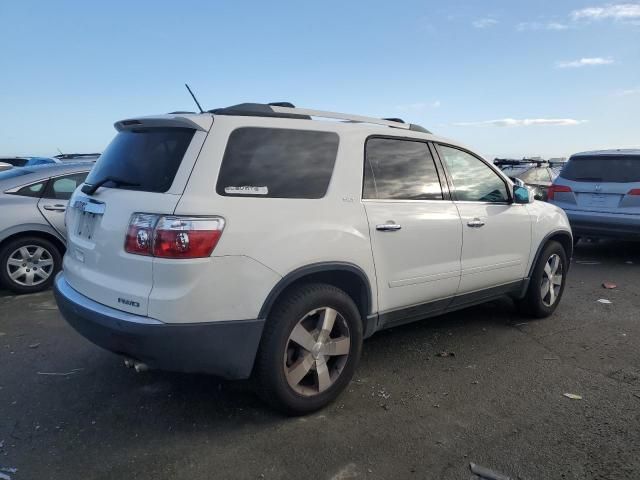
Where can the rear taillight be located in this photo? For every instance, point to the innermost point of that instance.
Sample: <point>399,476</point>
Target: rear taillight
<point>634,191</point>
<point>553,189</point>
<point>173,236</point>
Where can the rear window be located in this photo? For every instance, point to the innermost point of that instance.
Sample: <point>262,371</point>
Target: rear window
<point>277,163</point>
<point>145,159</point>
<point>603,168</point>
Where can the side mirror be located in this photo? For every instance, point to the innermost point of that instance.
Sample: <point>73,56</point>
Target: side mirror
<point>521,194</point>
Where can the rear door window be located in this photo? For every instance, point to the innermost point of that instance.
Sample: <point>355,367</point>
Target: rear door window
<point>33,190</point>
<point>145,159</point>
<point>277,163</point>
<point>61,188</point>
<point>603,168</point>
<point>397,169</point>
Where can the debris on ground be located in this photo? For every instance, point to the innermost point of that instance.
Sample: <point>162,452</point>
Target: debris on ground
<point>383,394</point>
<point>475,382</point>
<point>486,473</point>
<point>446,354</point>
<point>629,262</point>
<point>34,345</point>
<point>60,374</point>
<point>604,300</point>
<point>573,396</point>
<point>609,285</point>
<point>588,262</point>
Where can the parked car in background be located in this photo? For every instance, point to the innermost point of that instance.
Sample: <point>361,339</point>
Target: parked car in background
<point>5,166</point>
<point>28,161</point>
<point>33,201</point>
<point>259,240</point>
<point>600,192</point>
<point>77,156</point>
<point>536,174</point>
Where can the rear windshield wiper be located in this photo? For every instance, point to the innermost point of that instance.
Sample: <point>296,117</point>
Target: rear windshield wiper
<point>588,179</point>
<point>90,189</point>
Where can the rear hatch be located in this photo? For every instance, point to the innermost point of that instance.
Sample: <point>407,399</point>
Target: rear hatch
<point>599,183</point>
<point>144,170</point>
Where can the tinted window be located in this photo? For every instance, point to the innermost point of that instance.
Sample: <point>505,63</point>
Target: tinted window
<point>16,162</point>
<point>400,170</point>
<point>34,190</point>
<point>473,179</point>
<point>278,163</point>
<point>146,159</point>
<point>603,168</point>
<point>61,188</point>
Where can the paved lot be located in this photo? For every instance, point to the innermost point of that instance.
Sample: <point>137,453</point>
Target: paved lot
<point>409,414</point>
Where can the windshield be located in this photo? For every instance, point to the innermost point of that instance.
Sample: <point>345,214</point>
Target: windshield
<point>144,159</point>
<point>603,168</point>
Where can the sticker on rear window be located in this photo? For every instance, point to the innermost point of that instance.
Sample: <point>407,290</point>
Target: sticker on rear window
<point>247,190</point>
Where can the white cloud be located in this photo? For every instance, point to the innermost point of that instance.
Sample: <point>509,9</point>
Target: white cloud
<point>526,26</point>
<point>628,92</point>
<point>418,106</point>
<point>524,122</point>
<point>484,22</point>
<point>585,62</point>
<point>620,11</point>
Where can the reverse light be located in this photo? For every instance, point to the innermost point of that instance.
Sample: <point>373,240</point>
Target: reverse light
<point>173,236</point>
<point>553,189</point>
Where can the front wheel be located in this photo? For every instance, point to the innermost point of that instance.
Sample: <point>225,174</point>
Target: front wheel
<point>547,282</point>
<point>310,347</point>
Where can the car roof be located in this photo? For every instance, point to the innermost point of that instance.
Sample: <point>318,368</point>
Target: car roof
<point>615,151</point>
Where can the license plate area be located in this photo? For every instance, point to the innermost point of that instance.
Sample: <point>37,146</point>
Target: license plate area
<point>88,214</point>
<point>598,200</point>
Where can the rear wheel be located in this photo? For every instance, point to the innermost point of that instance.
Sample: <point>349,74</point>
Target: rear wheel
<point>547,282</point>
<point>309,350</point>
<point>29,264</point>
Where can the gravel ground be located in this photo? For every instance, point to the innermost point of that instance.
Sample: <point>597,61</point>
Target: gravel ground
<point>497,399</point>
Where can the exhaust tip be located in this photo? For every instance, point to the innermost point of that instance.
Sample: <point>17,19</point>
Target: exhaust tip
<point>140,367</point>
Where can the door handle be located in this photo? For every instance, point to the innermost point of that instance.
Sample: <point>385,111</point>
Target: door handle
<point>388,227</point>
<point>475,223</point>
<point>55,208</point>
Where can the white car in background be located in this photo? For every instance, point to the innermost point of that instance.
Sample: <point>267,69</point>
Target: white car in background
<point>259,240</point>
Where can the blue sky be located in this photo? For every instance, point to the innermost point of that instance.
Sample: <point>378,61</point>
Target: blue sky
<point>508,78</point>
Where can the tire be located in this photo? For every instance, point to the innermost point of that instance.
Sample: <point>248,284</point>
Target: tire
<point>534,303</point>
<point>281,360</point>
<point>41,257</point>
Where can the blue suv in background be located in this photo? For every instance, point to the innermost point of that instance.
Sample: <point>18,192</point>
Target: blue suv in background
<point>600,192</point>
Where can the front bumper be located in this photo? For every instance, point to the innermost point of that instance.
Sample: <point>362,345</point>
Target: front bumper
<point>225,348</point>
<point>585,223</point>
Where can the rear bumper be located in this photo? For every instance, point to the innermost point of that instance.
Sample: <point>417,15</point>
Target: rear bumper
<point>603,224</point>
<point>225,348</point>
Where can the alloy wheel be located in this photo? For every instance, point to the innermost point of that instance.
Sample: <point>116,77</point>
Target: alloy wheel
<point>317,351</point>
<point>552,276</point>
<point>30,265</point>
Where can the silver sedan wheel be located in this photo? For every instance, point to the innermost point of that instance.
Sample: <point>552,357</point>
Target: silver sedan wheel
<point>551,280</point>
<point>30,265</point>
<point>317,351</point>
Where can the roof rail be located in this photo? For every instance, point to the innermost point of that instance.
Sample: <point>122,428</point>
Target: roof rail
<point>287,110</point>
<point>394,123</point>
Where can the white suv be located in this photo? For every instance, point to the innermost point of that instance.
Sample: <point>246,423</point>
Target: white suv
<point>260,241</point>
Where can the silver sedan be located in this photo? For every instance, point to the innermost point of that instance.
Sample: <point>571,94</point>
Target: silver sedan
<point>33,201</point>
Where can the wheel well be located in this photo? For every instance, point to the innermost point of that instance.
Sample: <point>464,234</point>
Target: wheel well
<point>39,234</point>
<point>347,280</point>
<point>563,239</point>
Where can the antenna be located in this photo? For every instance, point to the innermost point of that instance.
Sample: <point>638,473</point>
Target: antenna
<point>60,151</point>
<point>194,98</point>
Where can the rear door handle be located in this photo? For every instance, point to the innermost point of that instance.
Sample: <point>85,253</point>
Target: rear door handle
<point>388,227</point>
<point>475,223</point>
<point>55,208</point>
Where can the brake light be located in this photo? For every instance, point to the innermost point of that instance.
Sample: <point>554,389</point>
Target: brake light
<point>634,191</point>
<point>173,236</point>
<point>553,189</point>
